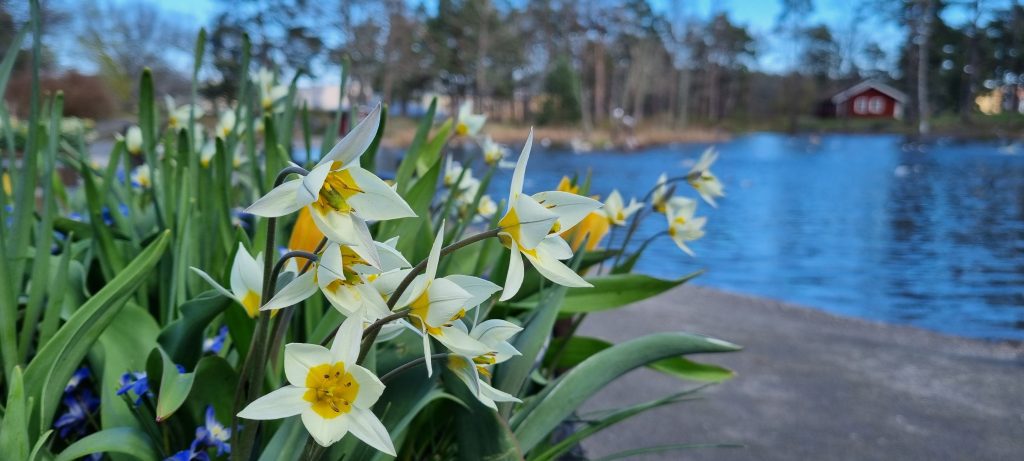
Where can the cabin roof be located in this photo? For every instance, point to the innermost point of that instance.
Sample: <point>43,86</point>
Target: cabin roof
<point>869,84</point>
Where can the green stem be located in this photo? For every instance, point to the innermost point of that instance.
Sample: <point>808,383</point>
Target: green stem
<point>410,364</point>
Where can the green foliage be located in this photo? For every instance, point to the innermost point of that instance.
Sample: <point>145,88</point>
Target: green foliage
<point>562,104</point>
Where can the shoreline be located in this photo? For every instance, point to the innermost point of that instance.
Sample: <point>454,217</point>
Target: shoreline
<point>814,385</point>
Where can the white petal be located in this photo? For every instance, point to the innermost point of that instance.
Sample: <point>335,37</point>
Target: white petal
<point>325,431</point>
<point>446,300</point>
<point>370,387</point>
<point>555,271</point>
<point>555,246</point>
<point>280,201</point>
<point>535,221</point>
<point>348,229</point>
<point>246,274</point>
<point>387,282</point>
<point>435,253</point>
<point>460,342</point>
<point>330,267</point>
<point>366,427</point>
<point>300,357</point>
<point>213,283</point>
<point>390,258</point>
<point>479,288</point>
<point>465,370</point>
<point>414,290</point>
<point>570,208</point>
<point>680,207</point>
<point>494,331</point>
<point>346,343</point>
<point>514,278</point>
<point>377,201</point>
<point>282,403</point>
<point>296,291</point>
<point>356,141</point>
<point>519,174</point>
<point>426,355</point>
<point>494,394</point>
<point>312,183</point>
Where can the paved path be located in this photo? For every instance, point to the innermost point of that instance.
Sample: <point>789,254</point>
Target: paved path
<point>812,386</point>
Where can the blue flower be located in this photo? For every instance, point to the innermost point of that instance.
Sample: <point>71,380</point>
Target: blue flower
<point>193,453</point>
<point>80,375</point>
<point>214,434</point>
<point>215,344</point>
<point>138,383</point>
<point>76,216</point>
<point>79,407</point>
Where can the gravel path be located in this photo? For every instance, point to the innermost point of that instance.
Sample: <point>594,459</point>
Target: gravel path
<point>814,386</point>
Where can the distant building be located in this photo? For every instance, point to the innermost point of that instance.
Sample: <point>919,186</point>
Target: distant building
<point>868,99</point>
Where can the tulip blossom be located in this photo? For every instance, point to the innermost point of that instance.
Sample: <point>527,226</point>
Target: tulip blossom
<point>226,123</point>
<point>133,140</point>
<point>467,123</point>
<point>661,194</point>
<point>141,177</point>
<point>437,305</point>
<point>177,116</point>
<point>617,211</point>
<point>682,226</point>
<point>340,194</point>
<point>269,92</point>
<point>493,333</point>
<point>701,178</point>
<point>494,153</point>
<point>206,154</point>
<point>530,226</point>
<point>246,280</point>
<point>333,395</point>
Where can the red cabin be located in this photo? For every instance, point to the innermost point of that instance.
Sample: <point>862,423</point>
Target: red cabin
<point>869,100</point>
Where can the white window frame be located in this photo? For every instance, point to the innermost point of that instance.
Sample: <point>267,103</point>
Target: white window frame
<point>876,105</point>
<point>860,105</point>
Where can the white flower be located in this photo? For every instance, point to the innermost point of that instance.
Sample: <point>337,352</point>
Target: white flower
<point>661,194</point>
<point>141,177</point>
<point>340,194</point>
<point>494,153</point>
<point>206,153</point>
<point>701,178</point>
<point>486,208</point>
<point>682,226</point>
<point>133,140</point>
<point>493,333</point>
<point>530,227</point>
<point>437,305</point>
<point>226,123</point>
<point>453,171</point>
<point>269,93</point>
<point>333,395</point>
<point>177,116</point>
<point>246,280</point>
<point>467,123</point>
<point>616,211</point>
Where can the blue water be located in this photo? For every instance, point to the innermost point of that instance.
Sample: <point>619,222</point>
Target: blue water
<point>857,225</point>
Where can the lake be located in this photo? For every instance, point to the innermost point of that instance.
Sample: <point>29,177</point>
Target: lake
<point>857,225</point>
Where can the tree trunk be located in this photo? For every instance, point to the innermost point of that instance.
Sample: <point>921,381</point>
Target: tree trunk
<point>600,84</point>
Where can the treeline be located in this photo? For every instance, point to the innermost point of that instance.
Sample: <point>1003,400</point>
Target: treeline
<point>589,62</point>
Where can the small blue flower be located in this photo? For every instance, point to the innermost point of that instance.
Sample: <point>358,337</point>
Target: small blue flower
<point>76,216</point>
<point>193,453</point>
<point>215,344</point>
<point>123,209</point>
<point>214,434</point>
<point>107,219</point>
<point>80,375</point>
<point>79,407</point>
<point>138,383</point>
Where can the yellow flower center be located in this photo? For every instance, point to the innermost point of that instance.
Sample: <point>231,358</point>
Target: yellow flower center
<point>205,162</point>
<point>251,303</point>
<point>461,129</point>
<point>420,308</point>
<point>331,390</point>
<point>565,185</point>
<point>337,189</point>
<point>510,225</point>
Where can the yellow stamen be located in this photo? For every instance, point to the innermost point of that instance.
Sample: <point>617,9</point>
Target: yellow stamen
<point>331,390</point>
<point>337,189</point>
<point>461,129</point>
<point>251,303</point>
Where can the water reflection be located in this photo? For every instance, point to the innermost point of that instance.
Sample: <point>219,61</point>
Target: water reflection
<point>856,225</point>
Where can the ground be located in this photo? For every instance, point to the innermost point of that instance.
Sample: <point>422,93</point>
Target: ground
<point>810,385</point>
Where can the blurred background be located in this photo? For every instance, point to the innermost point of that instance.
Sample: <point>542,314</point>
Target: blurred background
<point>870,148</point>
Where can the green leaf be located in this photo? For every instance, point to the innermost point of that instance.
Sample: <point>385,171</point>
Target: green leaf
<point>369,158</point>
<point>57,360</point>
<point>560,398</point>
<point>408,165</point>
<point>131,331</point>
<point>610,292</point>
<point>431,152</point>
<point>14,427</point>
<point>183,338</point>
<point>129,441</point>
<point>174,388</point>
<point>480,432</point>
<point>663,448</point>
<point>579,348</point>
<point>215,383</point>
<point>287,442</point>
<point>610,419</point>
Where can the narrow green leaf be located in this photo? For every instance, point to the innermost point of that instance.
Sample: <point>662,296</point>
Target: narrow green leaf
<point>14,437</point>
<point>174,388</point>
<point>129,441</point>
<point>183,338</point>
<point>579,348</point>
<point>560,398</point>
<point>57,360</point>
<point>116,353</point>
<point>408,165</point>
<point>369,158</point>
<point>610,292</point>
